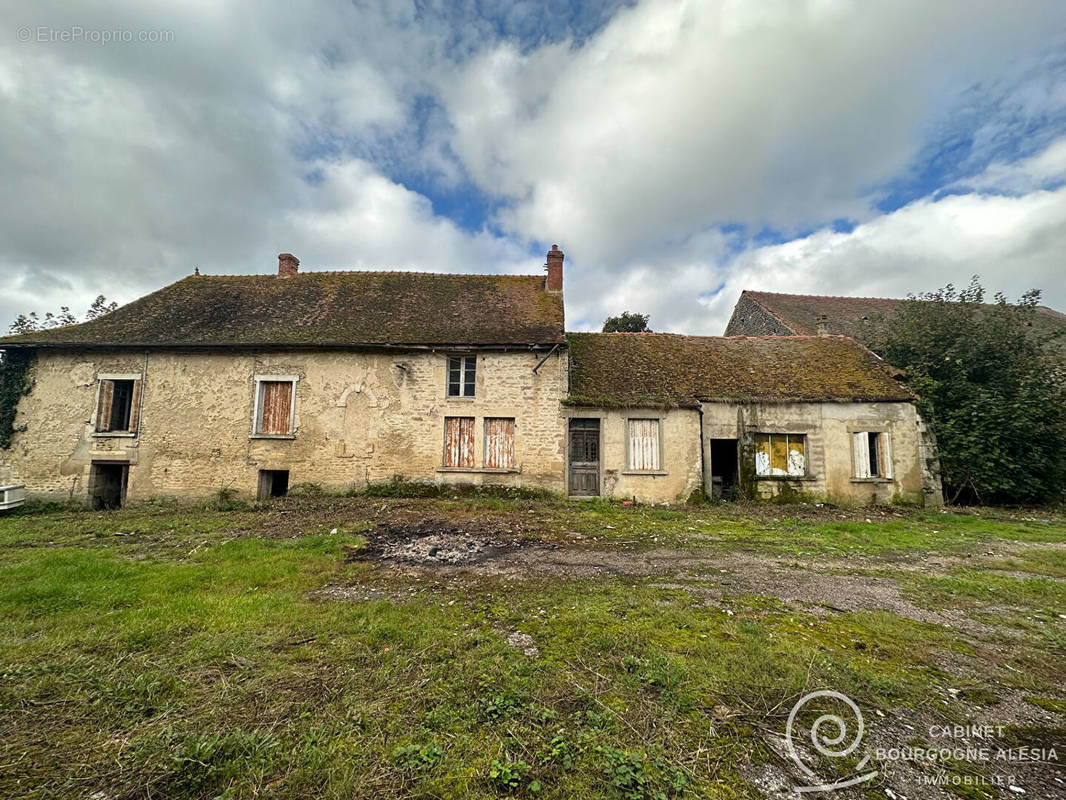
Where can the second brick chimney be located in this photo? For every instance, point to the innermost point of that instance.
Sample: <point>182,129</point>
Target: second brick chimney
<point>554,281</point>
<point>288,265</point>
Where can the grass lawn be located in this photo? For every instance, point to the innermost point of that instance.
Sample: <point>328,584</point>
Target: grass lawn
<point>597,651</point>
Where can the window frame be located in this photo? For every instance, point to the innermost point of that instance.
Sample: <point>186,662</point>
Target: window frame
<point>136,405</point>
<point>464,370</point>
<point>632,470</point>
<point>257,409</point>
<point>788,475</point>
<point>884,454</point>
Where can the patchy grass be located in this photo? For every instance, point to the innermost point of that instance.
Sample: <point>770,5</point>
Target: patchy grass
<point>188,653</point>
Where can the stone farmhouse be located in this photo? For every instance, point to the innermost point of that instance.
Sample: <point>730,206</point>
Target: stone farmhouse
<point>773,314</point>
<point>256,383</point>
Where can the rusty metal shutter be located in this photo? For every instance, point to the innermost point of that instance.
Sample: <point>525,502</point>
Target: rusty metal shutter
<point>644,444</point>
<point>276,408</point>
<point>499,443</point>
<point>459,442</point>
<point>103,406</point>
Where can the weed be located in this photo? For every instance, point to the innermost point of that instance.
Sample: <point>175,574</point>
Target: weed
<point>417,757</point>
<point>227,499</point>
<point>511,775</point>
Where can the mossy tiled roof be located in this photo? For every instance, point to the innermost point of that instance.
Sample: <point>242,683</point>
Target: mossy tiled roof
<point>853,316</point>
<point>327,309</point>
<point>650,369</point>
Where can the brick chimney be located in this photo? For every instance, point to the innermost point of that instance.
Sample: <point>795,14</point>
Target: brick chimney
<point>823,325</point>
<point>288,265</point>
<point>554,281</point>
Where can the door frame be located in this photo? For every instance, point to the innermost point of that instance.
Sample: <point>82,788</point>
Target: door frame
<point>600,418</point>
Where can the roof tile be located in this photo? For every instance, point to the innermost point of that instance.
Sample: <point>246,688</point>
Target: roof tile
<point>327,309</point>
<point>651,369</point>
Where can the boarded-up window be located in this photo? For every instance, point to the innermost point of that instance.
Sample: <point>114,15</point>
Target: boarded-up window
<point>459,442</point>
<point>118,406</point>
<point>781,454</point>
<point>870,454</point>
<point>644,444</point>
<point>499,443</point>
<point>274,408</point>
<point>462,370</point>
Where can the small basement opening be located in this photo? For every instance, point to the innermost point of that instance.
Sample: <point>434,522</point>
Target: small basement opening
<point>107,485</point>
<point>273,483</point>
<point>725,476</point>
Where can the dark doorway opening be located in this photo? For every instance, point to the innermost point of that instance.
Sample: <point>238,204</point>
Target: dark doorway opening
<point>725,476</point>
<point>107,484</point>
<point>273,483</point>
<point>584,450</point>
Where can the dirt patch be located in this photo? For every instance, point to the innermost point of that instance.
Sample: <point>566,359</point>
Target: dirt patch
<point>492,547</point>
<point>435,543</point>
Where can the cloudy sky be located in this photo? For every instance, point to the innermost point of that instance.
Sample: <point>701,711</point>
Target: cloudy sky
<point>678,152</point>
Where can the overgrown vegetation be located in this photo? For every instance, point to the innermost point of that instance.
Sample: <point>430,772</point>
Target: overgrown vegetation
<point>197,654</point>
<point>15,383</point>
<point>399,486</point>
<point>991,387</point>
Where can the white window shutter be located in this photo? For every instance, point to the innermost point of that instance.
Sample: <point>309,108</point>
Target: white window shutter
<point>644,444</point>
<point>861,451</point>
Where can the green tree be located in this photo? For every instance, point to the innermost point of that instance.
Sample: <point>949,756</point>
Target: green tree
<point>627,322</point>
<point>28,323</point>
<point>991,388</point>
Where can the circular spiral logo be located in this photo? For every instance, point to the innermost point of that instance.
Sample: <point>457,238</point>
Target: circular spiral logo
<point>832,735</point>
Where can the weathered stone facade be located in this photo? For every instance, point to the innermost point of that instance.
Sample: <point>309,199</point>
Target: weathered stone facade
<point>751,319</point>
<point>680,470</point>
<point>828,428</point>
<point>359,416</point>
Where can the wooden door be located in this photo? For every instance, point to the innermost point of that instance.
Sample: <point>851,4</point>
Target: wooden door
<point>584,449</point>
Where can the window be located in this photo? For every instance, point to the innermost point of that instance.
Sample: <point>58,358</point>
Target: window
<point>871,454</point>
<point>781,454</point>
<point>643,445</point>
<point>459,442</point>
<point>272,483</point>
<point>118,405</point>
<point>274,406</point>
<point>499,443</point>
<point>461,373</point>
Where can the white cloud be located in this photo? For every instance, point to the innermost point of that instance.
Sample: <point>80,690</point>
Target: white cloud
<point>356,218</point>
<point>126,165</point>
<point>1037,171</point>
<point>1012,243</point>
<point>683,115</point>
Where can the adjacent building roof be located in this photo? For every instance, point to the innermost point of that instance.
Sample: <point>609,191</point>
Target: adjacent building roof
<point>652,369</point>
<point>327,309</point>
<point>799,313</point>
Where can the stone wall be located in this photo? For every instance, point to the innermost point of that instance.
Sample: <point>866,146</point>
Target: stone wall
<point>828,428</point>
<point>359,417</point>
<point>679,440</point>
<point>751,319</point>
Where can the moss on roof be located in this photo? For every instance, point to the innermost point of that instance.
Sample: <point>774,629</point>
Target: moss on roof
<point>855,316</point>
<point>654,369</point>
<point>327,308</point>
